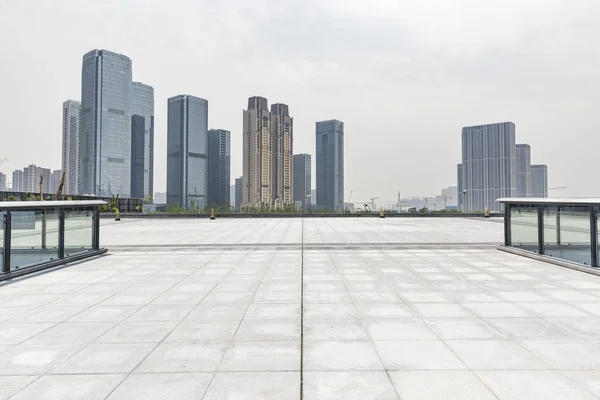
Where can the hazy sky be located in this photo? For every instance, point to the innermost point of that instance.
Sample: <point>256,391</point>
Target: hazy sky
<point>404,77</point>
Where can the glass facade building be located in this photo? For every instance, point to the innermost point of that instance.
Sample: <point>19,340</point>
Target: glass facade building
<point>238,193</point>
<point>330,165</point>
<point>539,179</point>
<point>106,124</point>
<point>187,169</point>
<point>488,165</point>
<point>523,170</point>
<point>219,167</point>
<point>282,137</point>
<point>302,178</point>
<point>142,104</point>
<point>137,156</point>
<point>71,146</point>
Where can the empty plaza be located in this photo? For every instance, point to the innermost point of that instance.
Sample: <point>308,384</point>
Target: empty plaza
<point>302,308</point>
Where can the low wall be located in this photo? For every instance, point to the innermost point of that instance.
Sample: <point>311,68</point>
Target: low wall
<point>283,215</point>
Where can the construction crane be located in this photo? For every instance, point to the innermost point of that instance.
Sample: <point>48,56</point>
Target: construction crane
<point>373,201</point>
<point>558,188</point>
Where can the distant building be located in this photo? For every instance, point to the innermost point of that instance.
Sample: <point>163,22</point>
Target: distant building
<point>239,195</point>
<point>3,186</point>
<point>313,197</point>
<point>232,196</point>
<point>257,153</point>
<point>187,170</point>
<point>137,156</point>
<point>489,165</point>
<point>282,139</point>
<point>219,167</point>
<point>18,181</point>
<point>142,105</point>
<point>330,165</point>
<point>106,124</point>
<point>160,198</point>
<point>71,143</point>
<point>539,180</point>
<point>30,181</point>
<point>523,170</point>
<point>459,187</point>
<point>55,182</point>
<point>302,178</point>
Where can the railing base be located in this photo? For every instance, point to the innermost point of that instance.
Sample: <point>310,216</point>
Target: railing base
<point>551,260</point>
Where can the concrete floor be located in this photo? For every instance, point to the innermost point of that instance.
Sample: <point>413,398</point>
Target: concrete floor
<point>333,308</point>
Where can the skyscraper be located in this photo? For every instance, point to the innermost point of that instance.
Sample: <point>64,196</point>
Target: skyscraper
<point>187,170</point>
<point>2,182</point>
<point>523,170</point>
<point>302,178</point>
<point>18,179</point>
<point>71,142</point>
<point>330,165</point>
<point>489,165</point>
<point>258,155</point>
<point>239,184</point>
<point>138,149</point>
<point>142,104</point>
<point>282,141</point>
<point>459,187</point>
<point>106,124</point>
<point>539,179</point>
<point>219,167</point>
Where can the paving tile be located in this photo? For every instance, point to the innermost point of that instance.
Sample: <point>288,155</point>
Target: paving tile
<point>184,357</point>
<point>262,356</point>
<point>161,313</point>
<point>587,379</point>
<point>70,387</point>
<point>12,384</point>
<point>495,354</point>
<point>138,332</point>
<point>203,331</point>
<point>205,312</point>
<point>254,385</point>
<point>518,385</point>
<point>442,310</point>
<point>497,310</point>
<point>464,329</point>
<point>252,330</point>
<point>524,328</point>
<point>399,329</point>
<point>417,355</point>
<point>102,313</point>
<point>333,385</point>
<point>171,386</point>
<point>554,309</point>
<point>384,311</point>
<point>273,311</point>
<point>439,385</point>
<point>49,314</point>
<point>34,359</point>
<point>340,356</point>
<point>15,332</point>
<point>72,333</point>
<point>335,329</point>
<point>566,354</point>
<point>329,311</point>
<point>106,358</point>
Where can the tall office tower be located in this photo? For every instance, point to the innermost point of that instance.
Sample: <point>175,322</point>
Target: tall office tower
<point>18,180</point>
<point>142,104</point>
<point>239,193</point>
<point>219,167</point>
<point>71,142</point>
<point>138,148</point>
<point>330,165</point>
<point>302,178</point>
<point>489,165</point>
<point>106,124</point>
<point>232,196</point>
<point>539,180</point>
<point>459,187</point>
<point>282,143</point>
<point>258,155</point>
<point>2,182</point>
<point>187,170</point>
<point>523,170</point>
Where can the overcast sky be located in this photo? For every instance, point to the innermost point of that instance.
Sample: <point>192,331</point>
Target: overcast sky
<point>404,77</point>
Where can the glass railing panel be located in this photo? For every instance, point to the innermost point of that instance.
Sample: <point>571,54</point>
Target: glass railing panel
<point>1,239</point>
<point>524,227</point>
<point>78,231</point>
<point>34,237</point>
<point>551,234</point>
<point>575,238</point>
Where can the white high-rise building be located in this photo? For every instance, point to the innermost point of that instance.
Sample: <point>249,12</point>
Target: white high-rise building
<point>539,179</point>
<point>71,145</point>
<point>282,139</point>
<point>3,186</point>
<point>106,124</point>
<point>523,170</point>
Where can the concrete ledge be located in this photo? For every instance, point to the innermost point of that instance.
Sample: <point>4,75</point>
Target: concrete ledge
<point>283,215</point>
<point>551,260</point>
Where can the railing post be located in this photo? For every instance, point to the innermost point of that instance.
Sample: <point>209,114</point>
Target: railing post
<point>558,240</point>
<point>44,228</point>
<point>96,229</point>
<point>507,236</point>
<point>61,233</point>
<point>541,244</point>
<point>6,223</point>
<point>594,233</point>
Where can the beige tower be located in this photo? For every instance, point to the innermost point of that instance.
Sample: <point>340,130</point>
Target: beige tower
<point>282,139</point>
<point>256,180</point>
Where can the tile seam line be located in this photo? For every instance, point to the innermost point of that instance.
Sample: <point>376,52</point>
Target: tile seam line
<point>302,309</point>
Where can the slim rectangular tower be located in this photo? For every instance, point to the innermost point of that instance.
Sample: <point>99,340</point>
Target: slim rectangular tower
<point>523,170</point>
<point>219,166</point>
<point>539,179</point>
<point>302,178</point>
<point>2,182</point>
<point>489,165</point>
<point>258,154</point>
<point>330,165</point>
<point>239,183</point>
<point>137,156</point>
<point>187,170</point>
<point>459,187</point>
<point>282,141</point>
<point>71,142</point>
<point>106,124</point>
<point>142,104</point>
